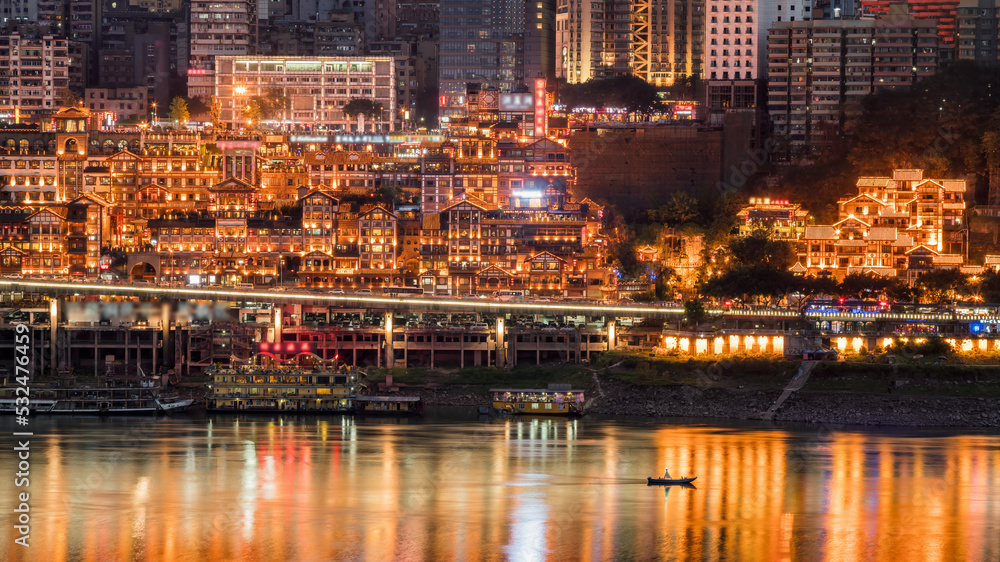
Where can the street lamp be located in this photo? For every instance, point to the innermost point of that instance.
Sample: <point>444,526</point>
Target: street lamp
<point>153,105</point>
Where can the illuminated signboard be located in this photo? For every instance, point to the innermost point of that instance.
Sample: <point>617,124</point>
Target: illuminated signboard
<point>238,145</point>
<point>517,102</point>
<point>385,139</point>
<point>683,109</point>
<point>309,138</point>
<point>541,124</point>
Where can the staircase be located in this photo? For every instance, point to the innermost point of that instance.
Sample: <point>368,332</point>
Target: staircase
<point>797,382</point>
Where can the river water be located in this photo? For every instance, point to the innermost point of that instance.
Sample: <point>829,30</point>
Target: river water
<point>448,487</point>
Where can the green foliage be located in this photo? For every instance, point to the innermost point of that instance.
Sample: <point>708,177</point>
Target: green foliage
<point>370,108</point>
<point>931,347</point>
<point>179,112</point>
<point>629,92</point>
<point>644,296</point>
<point>751,283</point>
<point>863,285</point>
<point>694,312</point>
<point>942,284</point>
<point>679,209</point>
<point>759,249</point>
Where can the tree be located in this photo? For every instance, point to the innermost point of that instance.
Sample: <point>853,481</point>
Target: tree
<point>806,288</point>
<point>68,97</point>
<point>759,249</point>
<point>631,93</point>
<point>679,209</point>
<point>253,112</point>
<point>942,284</point>
<point>362,106</point>
<point>216,113</point>
<point>664,279</point>
<point>863,285</point>
<point>694,312</point>
<point>179,113</point>
<point>758,283</point>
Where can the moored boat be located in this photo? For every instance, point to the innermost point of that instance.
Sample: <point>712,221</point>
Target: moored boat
<point>388,405</point>
<point>171,404</point>
<point>284,389</point>
<point>99,400</point>
<point>555,400</point>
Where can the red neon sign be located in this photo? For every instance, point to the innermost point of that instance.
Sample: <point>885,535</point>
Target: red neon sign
<point>541,126</point>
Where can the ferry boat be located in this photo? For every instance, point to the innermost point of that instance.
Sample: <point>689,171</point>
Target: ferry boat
<point>284,389</point>
<point>556,401</point>
<point>111,397</point>
<point>388,405</point>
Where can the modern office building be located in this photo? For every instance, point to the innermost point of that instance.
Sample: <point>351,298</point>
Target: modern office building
<point>315,89</point>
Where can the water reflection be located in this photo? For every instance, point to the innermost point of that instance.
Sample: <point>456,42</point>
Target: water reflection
<point>528,488</point>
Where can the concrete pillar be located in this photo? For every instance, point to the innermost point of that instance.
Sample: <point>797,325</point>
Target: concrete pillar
<point>277,320</point>
<point>500,346</point>
<point>611,334</point>
<point>165,325</point>
<point>55,307</point>
<point>388,341</point>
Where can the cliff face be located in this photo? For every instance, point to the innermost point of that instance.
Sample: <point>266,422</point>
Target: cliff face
<point>638,168</point>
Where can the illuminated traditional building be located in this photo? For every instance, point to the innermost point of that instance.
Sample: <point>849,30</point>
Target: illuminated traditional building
<point>895,224</point>
<point>783,220</point>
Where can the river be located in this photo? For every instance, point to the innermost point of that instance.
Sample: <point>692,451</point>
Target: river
<point>451,487</point>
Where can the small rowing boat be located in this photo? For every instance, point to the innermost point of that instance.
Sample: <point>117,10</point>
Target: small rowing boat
<point>669,481</point>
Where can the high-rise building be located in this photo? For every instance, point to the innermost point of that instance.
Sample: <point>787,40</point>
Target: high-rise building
<point>941,11</point>
<point>19,11</point>
<point>500,44</point>
<point>85,27</point>
<point>736,47</point>
<point>32,71</point>
<point>818,71</point>
<point>659,41</point>
<point>668,40</point>
<point>978,31</point>
<point>594,39</point>
<point>218,28</point>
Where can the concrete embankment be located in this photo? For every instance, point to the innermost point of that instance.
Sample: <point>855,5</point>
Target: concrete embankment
<point>839,408</point>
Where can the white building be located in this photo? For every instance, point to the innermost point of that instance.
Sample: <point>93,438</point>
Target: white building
<point>736,46</point>
<point>218,28</point>
<point>315,89</point>
<point>31,73</point>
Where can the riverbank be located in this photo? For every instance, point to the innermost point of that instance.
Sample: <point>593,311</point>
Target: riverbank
<point>834,408</point>
<point>864,393</point>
